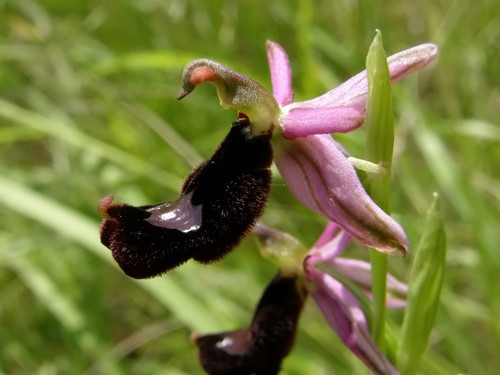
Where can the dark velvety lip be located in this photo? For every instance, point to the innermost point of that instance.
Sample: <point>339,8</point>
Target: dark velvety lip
<point>230,190</point>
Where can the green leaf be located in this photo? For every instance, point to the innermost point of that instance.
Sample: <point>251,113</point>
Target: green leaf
<point>379,121</point>
<point>379,144</point>
<point>62,131</point>
<point>426,279</point>
<point>144,60</point>
<point>57,302</point>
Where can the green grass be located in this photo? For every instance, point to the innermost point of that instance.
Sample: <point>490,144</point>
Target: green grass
<point>87,109</point>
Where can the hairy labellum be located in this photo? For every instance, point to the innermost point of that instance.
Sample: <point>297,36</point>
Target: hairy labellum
<point>260,348</point>
<point>220,202</point>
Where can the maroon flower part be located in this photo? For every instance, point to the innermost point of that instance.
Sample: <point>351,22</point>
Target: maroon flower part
<point>220,202</point>
<point>260,348</point>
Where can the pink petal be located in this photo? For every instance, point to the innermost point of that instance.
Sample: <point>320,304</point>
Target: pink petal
<point>328,234</point>
<point>330,250</point>
<point>343,313</point>
<point>301,122</point>
<point>391,302</point>
<point>361,273</point>
<point>411,60</point>
<point>395,303</point>
<point>354,91</point>
<point>281,73</point>
<point>321,177</point>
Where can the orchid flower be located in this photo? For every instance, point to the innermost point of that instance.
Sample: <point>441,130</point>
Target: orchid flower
<point>314,166</point>
<point>338,304</point>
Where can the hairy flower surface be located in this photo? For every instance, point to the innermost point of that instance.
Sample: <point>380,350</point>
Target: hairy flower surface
<point>220,202</point>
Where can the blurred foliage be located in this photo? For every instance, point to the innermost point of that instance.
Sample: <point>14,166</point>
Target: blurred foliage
<point>87,108</point>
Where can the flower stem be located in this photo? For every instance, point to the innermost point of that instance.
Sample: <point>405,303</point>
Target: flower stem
<point>379,145</point>
<point>379,271</point>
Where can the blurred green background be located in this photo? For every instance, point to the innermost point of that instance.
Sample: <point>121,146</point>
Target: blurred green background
<point>87,109</point>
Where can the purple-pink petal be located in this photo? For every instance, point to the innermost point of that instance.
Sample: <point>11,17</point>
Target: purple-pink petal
<point>361,273</point>
<point>322,178</point>
<point>281,73</point>
<point>330,231</point>
<point>395,303</point>
<point>411,60</point>
<point>301,122</point>
<point>354,91</point>
<point>329,251</point>
<point>344,314</point>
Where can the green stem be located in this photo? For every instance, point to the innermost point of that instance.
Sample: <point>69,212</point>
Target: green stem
<point>379,272</point>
